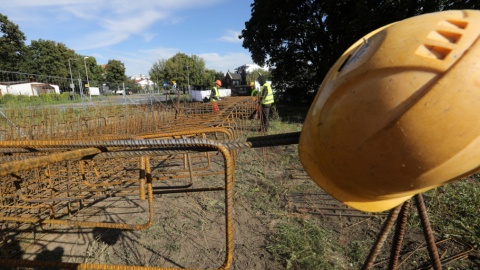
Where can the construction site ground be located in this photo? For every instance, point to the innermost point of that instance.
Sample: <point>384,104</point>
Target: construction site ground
<point>188,230</point>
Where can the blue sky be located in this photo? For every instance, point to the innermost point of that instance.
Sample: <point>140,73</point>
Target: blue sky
<point>138,32</point>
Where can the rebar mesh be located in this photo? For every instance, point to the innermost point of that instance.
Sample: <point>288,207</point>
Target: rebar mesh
<point>56,160</point>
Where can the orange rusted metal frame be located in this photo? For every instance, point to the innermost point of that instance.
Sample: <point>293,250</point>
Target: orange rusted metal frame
<point>58,123</point>
<point>228,133</point>
<point>228,189</point>
<point>16,166</point>
<point>92,125</point>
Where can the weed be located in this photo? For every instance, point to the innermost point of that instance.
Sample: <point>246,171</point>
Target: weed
<point>301,244</point>
<point>283,127</point>
<point>95,250</point>
<point>19,101</point>
<point>357,252</point>
<point>454,209</point>
<point>275,115</point>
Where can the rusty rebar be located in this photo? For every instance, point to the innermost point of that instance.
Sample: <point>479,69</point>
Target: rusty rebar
<point>427,231</point>
<point>398,237</point>
<point>22,165</point>
<point>182,144</point>
<point>381,237</point>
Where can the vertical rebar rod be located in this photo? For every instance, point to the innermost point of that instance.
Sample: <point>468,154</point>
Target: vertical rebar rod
<point>427,231</point>
<point>398,237</point>
<point>382,236</point>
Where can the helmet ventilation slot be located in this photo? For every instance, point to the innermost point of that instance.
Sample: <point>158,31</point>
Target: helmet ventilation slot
<point>435,52</point>
<point>456,24</point>
<point>444,36</point>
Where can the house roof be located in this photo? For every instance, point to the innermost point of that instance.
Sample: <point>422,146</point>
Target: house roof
<point>144,82</point>
<point>234,76</point>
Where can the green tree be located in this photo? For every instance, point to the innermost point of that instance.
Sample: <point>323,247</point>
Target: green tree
<point>94,70</point>
<point>185,70</point>
<point>114,74</point>
<point>47,57</point>
<point>301,39</point>
<point>253,75</point>
<point>158,72</point>
<point>132,86</point>
<point>12,45</point>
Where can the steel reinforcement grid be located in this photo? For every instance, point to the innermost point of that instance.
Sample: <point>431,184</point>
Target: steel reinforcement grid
<point>56,161</point>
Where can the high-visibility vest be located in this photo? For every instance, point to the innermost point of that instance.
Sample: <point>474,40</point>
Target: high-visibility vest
<point>254,92</point>
<point>215,97</point>
<point>269,98</point>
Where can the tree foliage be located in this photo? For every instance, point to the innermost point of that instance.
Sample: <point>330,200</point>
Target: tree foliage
<point>48,58</point>
<point>184,70</point>
<point>114,73</point>
<point>45,57</point>
<point>301,39</point>
<point>12,44</point>
<point>254,74</point>
<point>94,70</point>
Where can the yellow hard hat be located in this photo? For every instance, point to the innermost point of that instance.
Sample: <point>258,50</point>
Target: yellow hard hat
<point>398,112</point>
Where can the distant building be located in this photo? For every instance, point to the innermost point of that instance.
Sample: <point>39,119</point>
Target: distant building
<point>239,76</point>
<point>28,89</point>
<point>138,77</point>
<point>232,79</point>
<point>143,81</point>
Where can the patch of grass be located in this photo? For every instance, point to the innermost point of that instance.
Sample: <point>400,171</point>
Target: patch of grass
<point>283,127</point>
<point>290,113</point>
<point>357,251</point>
<point>453,209</point>
<point>19,101</point>
<point>302,244</point>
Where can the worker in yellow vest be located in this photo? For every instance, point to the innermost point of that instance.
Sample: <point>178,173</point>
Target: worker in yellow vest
<point>266,100</point>
<point>254,90</point>
<point>254,93</point>
<point>215,96</point>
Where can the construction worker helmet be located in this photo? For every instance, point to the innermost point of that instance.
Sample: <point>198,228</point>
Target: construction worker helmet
<point>397,114</point>
<point>218,82</point>
<point>261,80</point>
<point>252,84</point>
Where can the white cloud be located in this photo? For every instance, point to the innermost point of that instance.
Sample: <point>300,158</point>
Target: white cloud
<point>115,31</point>
<point>94,26</point>
<point>118,5</point>
<point>99,40</point>
<point>147,37</point>
<point>225,62</point>
<point>140,62</point>
<point>112,21</point>
<point>231,36</point>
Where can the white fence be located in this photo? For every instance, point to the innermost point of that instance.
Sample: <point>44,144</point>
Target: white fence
<point>199,95</point>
